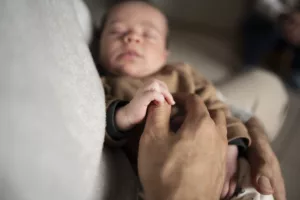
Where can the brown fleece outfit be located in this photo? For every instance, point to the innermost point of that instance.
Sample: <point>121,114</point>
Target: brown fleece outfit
<point>179,78</point>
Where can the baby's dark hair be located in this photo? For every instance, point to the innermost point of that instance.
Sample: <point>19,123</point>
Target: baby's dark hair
<point>95,44</point>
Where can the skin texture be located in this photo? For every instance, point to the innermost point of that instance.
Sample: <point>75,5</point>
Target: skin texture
<point>133,41</point>
<point>265,169</point>
<point>134,113</point>
<point>170,165</point>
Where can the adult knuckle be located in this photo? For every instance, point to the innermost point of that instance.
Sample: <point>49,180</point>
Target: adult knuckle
<point>206,120</point>
<point>194,99</point>
<point>191,98</point>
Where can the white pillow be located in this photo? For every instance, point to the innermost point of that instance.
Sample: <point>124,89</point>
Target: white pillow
<point>84,19</point>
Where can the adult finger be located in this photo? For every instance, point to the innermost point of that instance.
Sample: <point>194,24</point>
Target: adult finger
<point>192,103</point>
<point>197,112</point>
<point>266,176</point>
<point>267,181</point>
<point>158,118</point>
<point>219,118</point>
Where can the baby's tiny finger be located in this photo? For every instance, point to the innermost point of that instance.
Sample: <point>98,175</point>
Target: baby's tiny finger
<point>232,186</point>
<point>158,98</point>
<point>165,90</point>
<point>169,99</point>
<point>168,96</point>
<point>151,95</point>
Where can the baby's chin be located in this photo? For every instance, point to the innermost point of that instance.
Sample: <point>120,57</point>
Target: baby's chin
<point>132,70</point>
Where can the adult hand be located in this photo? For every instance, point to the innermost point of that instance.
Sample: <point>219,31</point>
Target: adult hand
<point>188,164</point>
<point>265,168</point>
<point>291,27</point>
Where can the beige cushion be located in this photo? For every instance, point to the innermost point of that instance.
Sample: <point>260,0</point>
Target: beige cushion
<point>222,15</point>
<point>262,93</point>
<point>97,9</point>
<point>212,56</point>
<point>84,19</point>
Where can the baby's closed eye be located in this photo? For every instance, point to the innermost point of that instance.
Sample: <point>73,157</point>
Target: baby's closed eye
<point>150,34</point>
<point>117,29</point>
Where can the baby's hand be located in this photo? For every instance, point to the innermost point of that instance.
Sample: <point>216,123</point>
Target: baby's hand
<point>231,172</point>
<point>134,113</point>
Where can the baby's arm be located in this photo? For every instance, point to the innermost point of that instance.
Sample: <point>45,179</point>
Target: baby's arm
<point>123,115</point>
<point>135,111</point>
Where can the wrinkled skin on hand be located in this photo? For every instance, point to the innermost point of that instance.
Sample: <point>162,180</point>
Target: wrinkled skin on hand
<point>188,164</point>
<point>265,169</point>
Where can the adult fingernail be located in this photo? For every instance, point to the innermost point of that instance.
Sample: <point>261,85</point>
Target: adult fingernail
<point>265,184</point>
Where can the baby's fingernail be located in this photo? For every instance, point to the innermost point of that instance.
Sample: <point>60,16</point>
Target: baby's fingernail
<point>173,102</point>
<point>265,184</point>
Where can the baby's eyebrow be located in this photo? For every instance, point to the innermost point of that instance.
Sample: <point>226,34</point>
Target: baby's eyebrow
<point>145,23</point>
<point>150,25</point>
<point>115,21</point>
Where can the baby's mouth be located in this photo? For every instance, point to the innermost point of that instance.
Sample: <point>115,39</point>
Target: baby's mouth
<point>130,54</point>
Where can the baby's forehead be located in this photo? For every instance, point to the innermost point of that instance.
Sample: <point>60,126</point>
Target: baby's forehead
<point>137,11</point>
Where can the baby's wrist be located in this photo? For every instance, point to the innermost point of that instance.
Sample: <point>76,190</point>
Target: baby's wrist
<point>122,119</point>
<point>233,150</point>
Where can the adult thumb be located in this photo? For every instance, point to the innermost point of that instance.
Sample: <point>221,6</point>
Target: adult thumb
<point>261,180</point>
<point>264,184</point>
<point>158,119</point>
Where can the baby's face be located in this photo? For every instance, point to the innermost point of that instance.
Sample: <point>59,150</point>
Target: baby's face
<point>133,41</point>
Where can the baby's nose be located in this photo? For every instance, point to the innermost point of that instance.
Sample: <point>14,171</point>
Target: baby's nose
<point>132,37</point>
